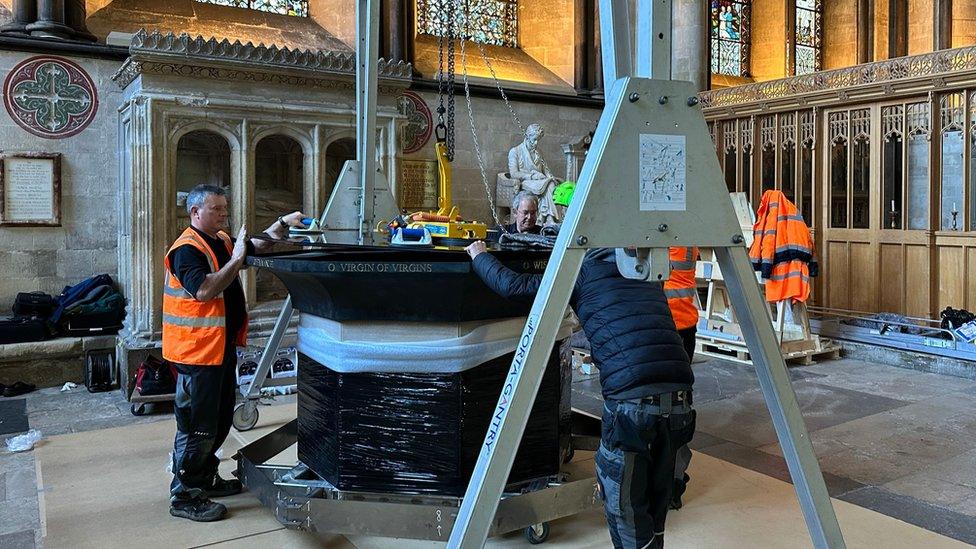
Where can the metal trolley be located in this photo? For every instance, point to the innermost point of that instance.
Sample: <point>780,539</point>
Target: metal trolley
<point>302,500</point>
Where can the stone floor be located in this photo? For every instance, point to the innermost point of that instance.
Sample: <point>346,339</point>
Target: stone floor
<point>896,441</point>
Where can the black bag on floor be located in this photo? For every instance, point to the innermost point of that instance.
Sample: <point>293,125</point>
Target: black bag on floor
<point>22,329</point>
<point>37,304</point>
<point>954,318</point>
<point>100,371</point>
<point>155,377</point>
<point>101,313</point>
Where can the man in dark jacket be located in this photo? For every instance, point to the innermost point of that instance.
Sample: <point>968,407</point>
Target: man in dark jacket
<point>646,380</point>
<point>525,208</point>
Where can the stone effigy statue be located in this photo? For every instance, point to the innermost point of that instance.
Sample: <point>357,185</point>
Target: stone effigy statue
<point>527,167</point>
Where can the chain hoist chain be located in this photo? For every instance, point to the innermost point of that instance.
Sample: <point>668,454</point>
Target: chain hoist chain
<point>451,35</point>
<point>440,78</point>
<point>491,69</point>
<point>474,137</point>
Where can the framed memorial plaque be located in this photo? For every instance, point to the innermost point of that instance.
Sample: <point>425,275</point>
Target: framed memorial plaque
<point>418,184</point>
<point>30,189</point>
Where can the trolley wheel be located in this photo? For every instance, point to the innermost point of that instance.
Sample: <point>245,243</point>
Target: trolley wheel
<point>138,409</point>
<point>570,454</point>
<point>538,533</point>
<point>245,416</point>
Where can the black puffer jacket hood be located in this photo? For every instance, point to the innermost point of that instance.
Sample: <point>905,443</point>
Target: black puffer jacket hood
<point>632,337</point>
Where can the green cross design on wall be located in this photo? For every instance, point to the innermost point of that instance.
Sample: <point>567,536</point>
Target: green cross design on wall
<point>52,97</point>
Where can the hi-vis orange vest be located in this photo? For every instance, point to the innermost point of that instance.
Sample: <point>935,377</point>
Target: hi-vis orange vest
<point>680,288</point>
<point>195,332</point>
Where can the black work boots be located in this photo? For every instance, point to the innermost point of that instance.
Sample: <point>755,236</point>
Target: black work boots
<point>222,488</point>
<point>199,510</point>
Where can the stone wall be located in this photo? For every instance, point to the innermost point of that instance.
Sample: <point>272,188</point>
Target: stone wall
<point>840,34</point>
<point>197,18</point>
<point>336,16</point>
<point>546,32</point>
<point>768,40</point>
<point>497,133</point>
<point>963,23</point>
<point>920,15</point>
<point>48,258</point>
<point>881,18</point>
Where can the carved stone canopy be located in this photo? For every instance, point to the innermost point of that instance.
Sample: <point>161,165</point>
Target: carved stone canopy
<point>155,52</point>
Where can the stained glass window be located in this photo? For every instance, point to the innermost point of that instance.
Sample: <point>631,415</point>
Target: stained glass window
<point>297,8</point>
<point>809,35</point>
<point>730,37</point>
<point>492,22</point>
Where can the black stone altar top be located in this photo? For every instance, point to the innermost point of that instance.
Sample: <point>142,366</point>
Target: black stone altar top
<point>344,282</point>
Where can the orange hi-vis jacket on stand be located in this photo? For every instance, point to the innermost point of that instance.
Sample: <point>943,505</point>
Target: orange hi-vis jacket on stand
<point>782,249</point>
<point>195,332</point>
<point>680,288</point>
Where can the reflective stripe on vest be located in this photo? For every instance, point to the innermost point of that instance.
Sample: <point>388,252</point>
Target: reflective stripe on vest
<point>681,288</point>
<point>195,332</point>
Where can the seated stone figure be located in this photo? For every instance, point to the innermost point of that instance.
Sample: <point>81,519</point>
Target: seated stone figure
<point>527,167</point>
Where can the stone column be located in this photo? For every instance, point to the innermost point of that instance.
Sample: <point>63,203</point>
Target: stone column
<point>50,21</point>
<point>897,28</point>
<point>865,31</point>
<point>582,44</point>
<point>596,57</point>
<point>689,46</point>
<point>25,13</point>
<point>391,31</point>
<point>74,16</point>
<point>942,29</point>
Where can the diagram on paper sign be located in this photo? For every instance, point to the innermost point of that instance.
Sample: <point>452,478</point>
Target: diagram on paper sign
<point>662,172</point>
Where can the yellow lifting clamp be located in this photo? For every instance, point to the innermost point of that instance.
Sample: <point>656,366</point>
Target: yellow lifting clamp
<point>446,222</point>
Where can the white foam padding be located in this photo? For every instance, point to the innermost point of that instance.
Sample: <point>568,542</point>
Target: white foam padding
<point>442,348</point>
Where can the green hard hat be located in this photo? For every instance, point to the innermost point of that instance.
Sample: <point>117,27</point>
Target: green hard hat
<point>563,193</point>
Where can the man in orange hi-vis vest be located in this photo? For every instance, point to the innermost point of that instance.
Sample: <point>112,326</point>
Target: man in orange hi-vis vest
<point>204,321</point>
<point>680,289</point>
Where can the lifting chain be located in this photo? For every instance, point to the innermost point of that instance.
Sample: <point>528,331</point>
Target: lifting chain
<point>501,91</point>
<point>445,81</point>
<point>474,136</point>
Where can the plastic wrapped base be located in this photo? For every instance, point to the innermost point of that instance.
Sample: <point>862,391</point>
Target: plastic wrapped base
<point>421,433</point>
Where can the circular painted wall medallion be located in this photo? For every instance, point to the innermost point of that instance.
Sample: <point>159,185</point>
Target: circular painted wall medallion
<point>417,130</point>
<point>50,96</point>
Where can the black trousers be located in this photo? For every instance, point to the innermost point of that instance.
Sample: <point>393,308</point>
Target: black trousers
<point>683,458</point>
<point>635,468</point>
<point>204,410</point>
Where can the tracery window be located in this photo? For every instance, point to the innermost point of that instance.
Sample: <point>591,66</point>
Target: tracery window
<point>809,35</point>
<point>492,22</point>
<point>298,8</point>
<point>730,37</point>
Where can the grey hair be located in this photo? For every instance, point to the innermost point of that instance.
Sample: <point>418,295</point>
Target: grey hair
<point>534,128</point>
<point>200,193</point>
<point>523,195</point>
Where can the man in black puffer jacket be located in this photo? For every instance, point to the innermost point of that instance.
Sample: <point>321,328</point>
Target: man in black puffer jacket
<point>646,380</point>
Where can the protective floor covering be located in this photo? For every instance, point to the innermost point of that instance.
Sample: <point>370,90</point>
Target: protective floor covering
<point>13,415</point>
<point>108,488</point>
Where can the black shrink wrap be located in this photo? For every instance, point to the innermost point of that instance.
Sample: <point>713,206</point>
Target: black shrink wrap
<point>420,433</point>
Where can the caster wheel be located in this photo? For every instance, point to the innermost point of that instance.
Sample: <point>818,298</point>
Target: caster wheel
<point>245,416</point>
<point>138,409</point>
<point>569,455</point>
<point>538,533</point>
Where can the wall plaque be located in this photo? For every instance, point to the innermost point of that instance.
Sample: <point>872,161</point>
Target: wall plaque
<point>30,189</point>
<point>49,96</point>
<point>418,184</point>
